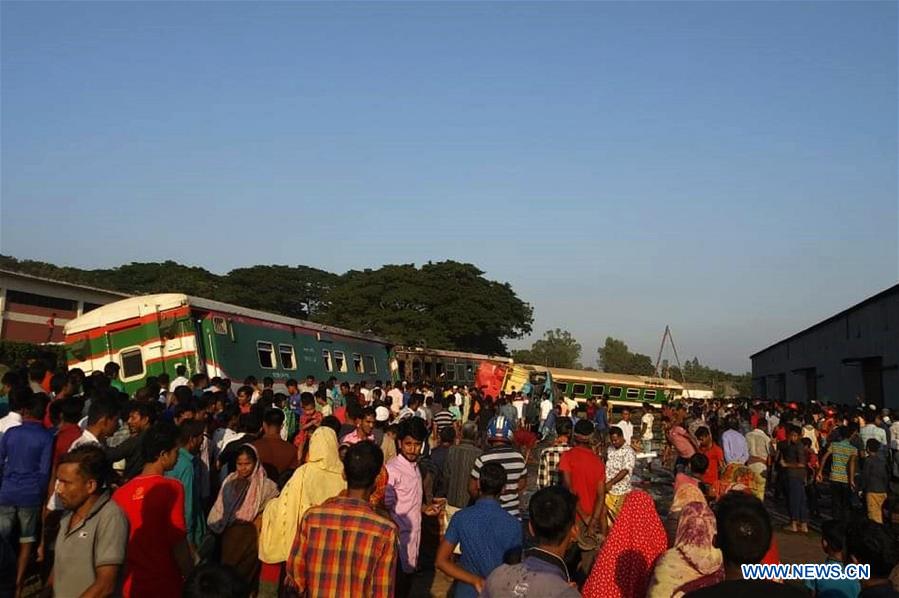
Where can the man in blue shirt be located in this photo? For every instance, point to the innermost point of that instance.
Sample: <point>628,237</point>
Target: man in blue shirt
<point>26,453</point>
<point>486,533</point>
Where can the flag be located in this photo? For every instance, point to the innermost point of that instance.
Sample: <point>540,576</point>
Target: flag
<point>548,386</point>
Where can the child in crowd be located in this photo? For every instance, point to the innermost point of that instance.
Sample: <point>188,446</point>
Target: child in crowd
<point>833,534</point>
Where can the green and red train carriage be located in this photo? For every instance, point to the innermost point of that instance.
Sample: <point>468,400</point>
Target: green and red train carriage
<point>151,334</point>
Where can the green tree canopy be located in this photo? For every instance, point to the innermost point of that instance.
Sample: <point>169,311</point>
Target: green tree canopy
<point>615,357</point>
<point>556,349</point>
<point>447,305</point>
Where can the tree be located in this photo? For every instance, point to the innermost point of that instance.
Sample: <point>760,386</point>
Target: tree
<point>640,365</point>
<point>556,349</point>
<point>447,305</point>
<point>295,291</point>
<point>614,356</point>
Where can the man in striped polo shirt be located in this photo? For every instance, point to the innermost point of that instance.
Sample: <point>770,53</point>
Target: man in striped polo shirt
<point>842,472</point>
<point>499,436</point>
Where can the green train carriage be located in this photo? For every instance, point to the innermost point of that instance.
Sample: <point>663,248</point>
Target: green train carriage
<point>152,334</point>
<point>619,389</point>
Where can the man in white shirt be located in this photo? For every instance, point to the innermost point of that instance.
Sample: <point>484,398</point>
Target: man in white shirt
<point>646,427</point>
<point>627,428</point>
<point>396,399</point>
<point>309,385</point>
<point>181,379</point>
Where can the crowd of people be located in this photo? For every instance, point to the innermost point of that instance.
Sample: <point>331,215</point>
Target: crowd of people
<point>203,487</point>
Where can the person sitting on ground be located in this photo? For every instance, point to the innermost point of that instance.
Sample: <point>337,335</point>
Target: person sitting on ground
<point>481,552</point>
<point>833,541</point>
<point>869,543</point>
<point>543,571</point>
<point>693,561</point>
<point>744,537</point>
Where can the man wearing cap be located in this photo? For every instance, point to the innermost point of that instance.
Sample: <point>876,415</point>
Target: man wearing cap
<point>499,436</point>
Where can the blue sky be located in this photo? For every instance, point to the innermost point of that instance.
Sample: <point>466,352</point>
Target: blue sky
<point>729,169</point>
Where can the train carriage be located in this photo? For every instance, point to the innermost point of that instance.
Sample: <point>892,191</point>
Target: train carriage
<point>437,366</point>
<point>619,389</point>
<point>152,334</point>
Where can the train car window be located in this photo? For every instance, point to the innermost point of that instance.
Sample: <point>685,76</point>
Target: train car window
<point>219,325</point>
<point>615,392</point>
<point>428,369</point>
<point>469,372</point>
<point>460,373</point>
<point>597,390</point>
<point>440,369</point>
<point>401,367</point>
<point>450,372</point>
<point>633,393</point>
<point>580,390</point>
<point>266,352</point>
<point>288,357</point>
<point>339,361</point>
<point>357,363</point>
<point>132,363</point>
<point>371,366</point>
<point>326,360</point>
<point>649,395</point>
<point>416,369</point>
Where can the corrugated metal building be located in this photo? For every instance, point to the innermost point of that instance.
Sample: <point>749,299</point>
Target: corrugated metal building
<point>35,309</point>
<point>852,354</point>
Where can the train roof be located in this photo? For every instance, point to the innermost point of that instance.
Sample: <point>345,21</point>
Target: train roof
<point>135,307</point>
<point>458,354</point>
<point>572,375</point>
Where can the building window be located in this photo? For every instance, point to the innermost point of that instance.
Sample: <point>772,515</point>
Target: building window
<point>615,392</point>
<point>357,363</point>
<point>370,366</point>
<point>288,357</point>
<point>649,395</point>
<point>633,393</point>
<point>339,361</point>
<point>266,352</point>
<point>132,364</point>
<point>219,325</point>
<point>580,390</point>
<point>597,390</point>
<point>34,300</point>
<point>326,360</point>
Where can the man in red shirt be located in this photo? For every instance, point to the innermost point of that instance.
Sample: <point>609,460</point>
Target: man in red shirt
<point>715,455</point>
<point>584,474</point>
<point>158,556</point>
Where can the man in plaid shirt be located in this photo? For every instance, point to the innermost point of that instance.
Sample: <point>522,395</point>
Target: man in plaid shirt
<point>548,472</point>
<point>343,548</point>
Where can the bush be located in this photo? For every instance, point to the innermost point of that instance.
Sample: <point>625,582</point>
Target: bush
<point>16,354</point>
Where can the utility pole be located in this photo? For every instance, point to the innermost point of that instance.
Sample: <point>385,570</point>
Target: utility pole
<point>669,337</point>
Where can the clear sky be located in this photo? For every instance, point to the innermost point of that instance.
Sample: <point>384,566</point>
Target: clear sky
<point>726,168</point>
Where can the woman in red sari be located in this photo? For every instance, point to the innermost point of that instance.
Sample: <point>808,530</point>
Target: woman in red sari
<point>627,557</point>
